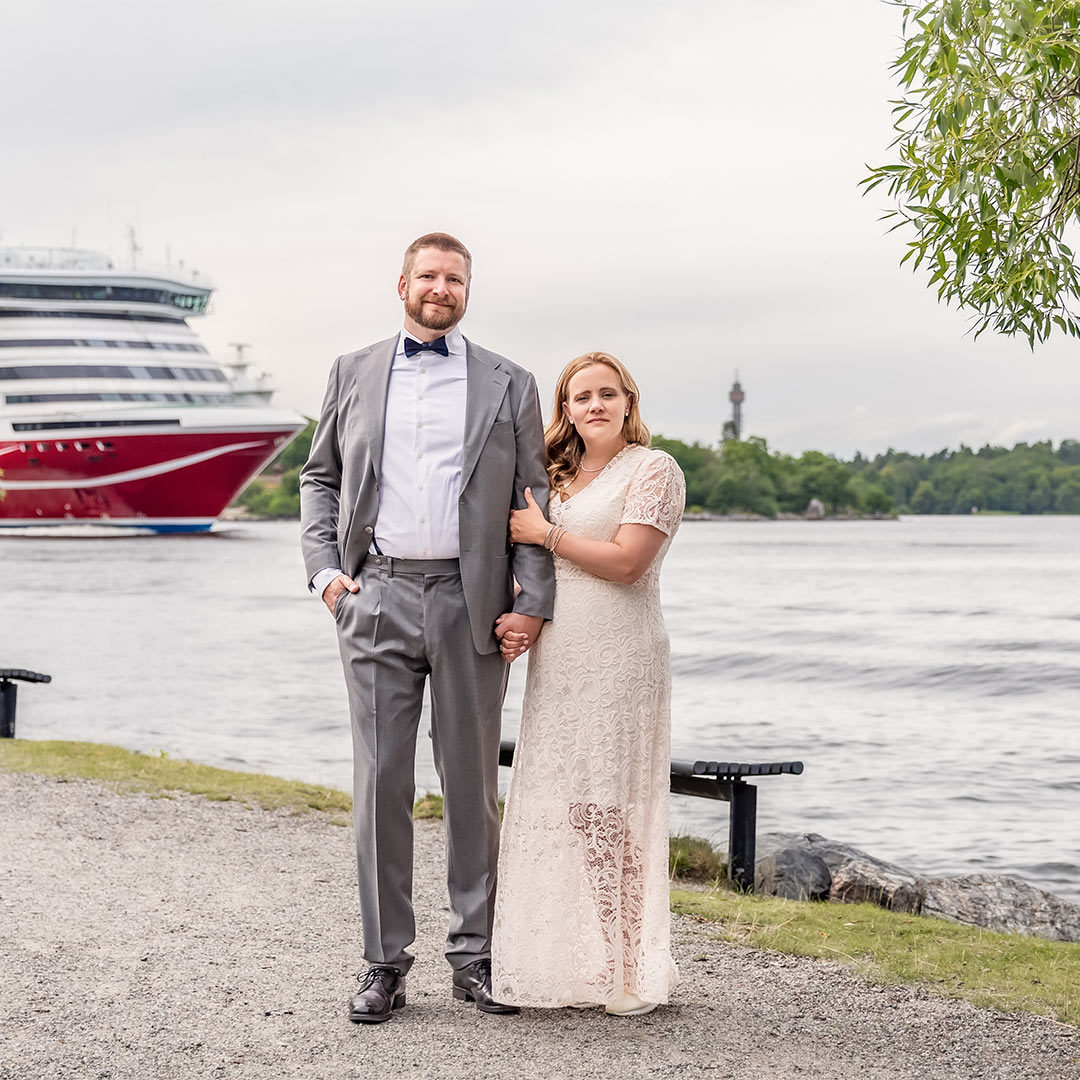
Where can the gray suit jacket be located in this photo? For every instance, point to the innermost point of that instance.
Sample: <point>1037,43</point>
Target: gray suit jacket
<point>504,454</point>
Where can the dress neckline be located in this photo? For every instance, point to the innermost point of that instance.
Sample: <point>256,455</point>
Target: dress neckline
<point>581,491</point>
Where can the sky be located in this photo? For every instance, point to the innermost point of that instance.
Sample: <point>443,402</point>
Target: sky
<point>674,183</point>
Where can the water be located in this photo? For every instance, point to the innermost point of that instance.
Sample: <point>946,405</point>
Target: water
<point>926,671</point>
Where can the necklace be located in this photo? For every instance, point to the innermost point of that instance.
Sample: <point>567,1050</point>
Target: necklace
<point>582,467</point>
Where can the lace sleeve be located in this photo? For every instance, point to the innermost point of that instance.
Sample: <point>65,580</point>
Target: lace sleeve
<point>656,495</point>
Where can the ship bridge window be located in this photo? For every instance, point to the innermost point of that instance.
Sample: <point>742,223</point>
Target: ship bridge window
<point>65,425</point>
<point>105,371</point>
<point>96,343</point>
<point>21,290</point>
<point>42,399</point>
<point>200,374</point>
<point>118,316</point>
<point>68,371</point>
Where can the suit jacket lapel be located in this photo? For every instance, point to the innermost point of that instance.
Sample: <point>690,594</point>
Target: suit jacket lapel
<point>485,389</point>
<point>373,389</point>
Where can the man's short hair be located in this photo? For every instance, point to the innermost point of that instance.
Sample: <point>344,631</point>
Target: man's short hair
<point>442,241</point>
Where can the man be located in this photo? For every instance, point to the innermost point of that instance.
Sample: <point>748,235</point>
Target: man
<point>425,443</point>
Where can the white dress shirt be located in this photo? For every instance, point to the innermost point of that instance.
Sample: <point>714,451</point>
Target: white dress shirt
<point>423,445</point>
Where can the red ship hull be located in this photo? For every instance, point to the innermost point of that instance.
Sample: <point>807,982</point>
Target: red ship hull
<point>165,482</point>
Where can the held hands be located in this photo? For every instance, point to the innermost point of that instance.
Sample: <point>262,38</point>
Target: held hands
<point>340,584</point>
<point>516,632</point>
<point>528,526</point>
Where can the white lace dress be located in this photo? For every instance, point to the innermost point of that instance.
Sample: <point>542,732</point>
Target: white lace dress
<point>581,911</point>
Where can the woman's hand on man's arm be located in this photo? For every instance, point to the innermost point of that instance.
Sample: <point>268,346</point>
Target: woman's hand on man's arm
<point>529,526</point>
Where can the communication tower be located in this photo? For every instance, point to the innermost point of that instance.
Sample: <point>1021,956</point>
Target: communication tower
<point>733,428</point>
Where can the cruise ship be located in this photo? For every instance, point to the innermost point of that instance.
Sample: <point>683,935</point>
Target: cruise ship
<point>112,412</point>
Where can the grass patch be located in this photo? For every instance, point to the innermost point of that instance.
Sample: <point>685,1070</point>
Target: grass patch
<point>429,805</point>
<point>1003,971</point>
<point>694,859</point>
<point>160,775</point>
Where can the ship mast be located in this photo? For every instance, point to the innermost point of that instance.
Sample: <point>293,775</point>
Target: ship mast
<point>133,244</point>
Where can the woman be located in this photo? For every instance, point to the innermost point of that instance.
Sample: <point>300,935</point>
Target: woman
<point>581,914</point>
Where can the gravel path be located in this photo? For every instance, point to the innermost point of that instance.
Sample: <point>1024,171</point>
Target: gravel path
<point>175,938</point>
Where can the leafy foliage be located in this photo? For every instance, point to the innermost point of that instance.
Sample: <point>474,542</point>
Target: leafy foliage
<point>1028,479</point>
<point>746,477</point>
<point>988,171</point>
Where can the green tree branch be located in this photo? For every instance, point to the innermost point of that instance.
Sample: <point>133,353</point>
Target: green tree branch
<point>986,176</point>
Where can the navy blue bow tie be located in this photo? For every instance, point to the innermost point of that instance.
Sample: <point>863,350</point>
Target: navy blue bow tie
<point>438,345</point>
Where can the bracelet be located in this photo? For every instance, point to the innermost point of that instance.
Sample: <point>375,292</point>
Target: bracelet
<point>562,533</point>
<point>547,539</point>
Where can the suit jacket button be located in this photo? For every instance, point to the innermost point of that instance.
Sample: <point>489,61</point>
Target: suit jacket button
<point>368,528</point>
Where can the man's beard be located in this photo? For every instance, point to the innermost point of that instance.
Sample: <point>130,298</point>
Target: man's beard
<point>432,317</point>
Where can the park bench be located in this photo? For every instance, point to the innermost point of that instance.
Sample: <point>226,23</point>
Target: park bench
<point>726,780</point>
<point>7,696</point>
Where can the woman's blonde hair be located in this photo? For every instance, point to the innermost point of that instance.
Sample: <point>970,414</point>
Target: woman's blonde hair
<point>565,447</point>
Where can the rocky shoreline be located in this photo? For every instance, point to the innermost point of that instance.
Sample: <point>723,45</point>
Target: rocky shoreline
<point>806,866</point>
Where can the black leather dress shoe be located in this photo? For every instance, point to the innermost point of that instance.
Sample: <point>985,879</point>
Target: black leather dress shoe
<point>382,991</point>
<point>473,983</point>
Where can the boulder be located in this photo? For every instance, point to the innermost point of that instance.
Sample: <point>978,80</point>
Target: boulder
<point>794,874</point>
<point>870,881</point>
<point>833,852</point>
<point>1002,903</point>
<point>855,876</point>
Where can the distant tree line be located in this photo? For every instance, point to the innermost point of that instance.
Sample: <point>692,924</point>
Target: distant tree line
<point>1028,479</point>
<point>747,477</point>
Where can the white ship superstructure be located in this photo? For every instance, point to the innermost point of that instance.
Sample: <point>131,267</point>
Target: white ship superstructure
<point>111,409</point>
